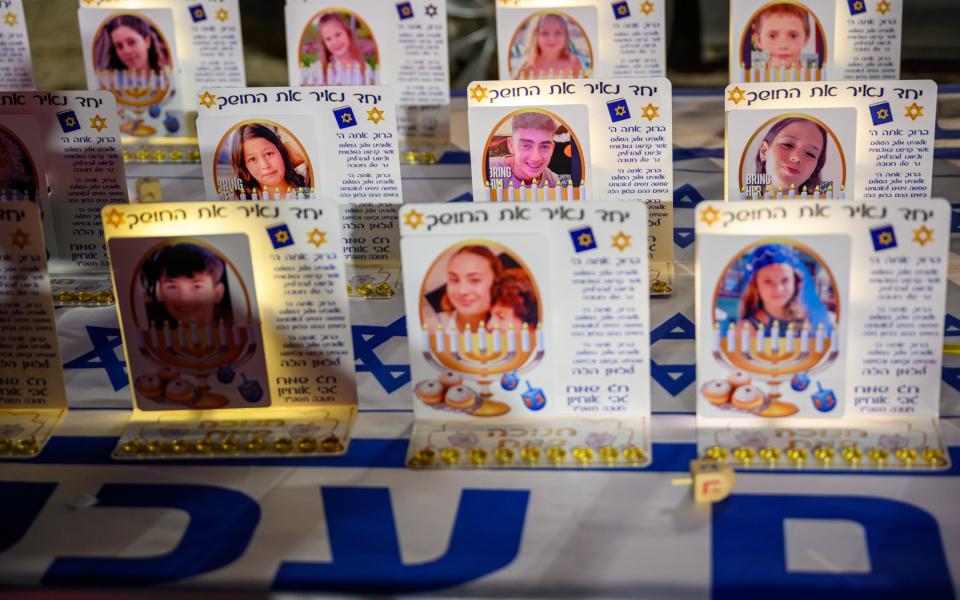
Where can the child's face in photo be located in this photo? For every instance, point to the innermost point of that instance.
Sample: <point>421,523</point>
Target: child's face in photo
<point>190,298</point>
<point>532,150</point>
<point>264,162</point>
<point>782,37</point>
<point>503,313</point>
<point>551,37</point>
<point>776,286</point>
<point>132,48</point>
<point>469,280</point>
<point>792,156</point>
<point>335,38</point>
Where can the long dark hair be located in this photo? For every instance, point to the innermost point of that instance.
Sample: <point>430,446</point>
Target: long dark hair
<point>258,130</point>
<point>814,180</point>
<point>144,30</point>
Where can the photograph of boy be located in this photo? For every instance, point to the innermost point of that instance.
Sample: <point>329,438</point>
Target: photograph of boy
<point>18,176</point>
<point>341,45</point>
<point>262,157</point>
<point>548,50</point>
<point>783,33</point>
<point>535,147</point>
<point>186,283</point>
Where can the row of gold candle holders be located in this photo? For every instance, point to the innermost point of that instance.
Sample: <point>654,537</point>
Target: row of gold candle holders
<point>529,456</point>
<point>230,445</point>
<point>852,457</point>
<point>371,290</point>
<point>161,155</point>
<point>70,297</point>
<point>26,446</point>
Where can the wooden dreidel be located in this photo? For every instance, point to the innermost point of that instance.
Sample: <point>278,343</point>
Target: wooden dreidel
<point>712,480</point>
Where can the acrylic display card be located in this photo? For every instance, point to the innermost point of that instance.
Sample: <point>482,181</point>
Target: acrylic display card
<point>335,144</point>
<point>371,42</point>
<point>831,140</point>
<point>16,65</point>
<point>820,310</point>
<point>32,396</point>
<point>231,310</point>
<point>570,39</point>
<point>172,49</point>
<point>814,40</point>
<point>68,159</point>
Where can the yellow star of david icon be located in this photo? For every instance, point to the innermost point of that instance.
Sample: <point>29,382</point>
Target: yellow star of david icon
<point>883,113</point>
<point>346,117</point>
<point>736,95</point>
<point>478,93</point>
<point>620,110</point>
<point>651,112</point>
<point>20,238</point>
<point>710,215</point>
<point>317,238</point>
<point>413,218</point>
<point>883,7</point>
<point>885,238</point>
<point>622,9</point>
<point>585,239</point>
<point>207,99</point>
<point>222,15</point>
<point>914,111</point>
<point>70,122</point>
<point>198,13</point>
<point>406,10</point>
<point>647,7</point>
<point>858,6</point>
<point>10,19</point>
<point>374,115</point>
<point>98,123</point>
<point>621,241</point>
<point>923,236</point>
<point>282,237</point>
<point>115,218</point>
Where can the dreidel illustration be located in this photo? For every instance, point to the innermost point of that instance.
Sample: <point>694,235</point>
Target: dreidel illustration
<point>824,400</point>
<point>712,480</point>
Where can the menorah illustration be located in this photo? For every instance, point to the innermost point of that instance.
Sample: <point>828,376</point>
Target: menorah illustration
<point>537,191</point>
<point>754,192</point>
<point>200,349</point>
<point>138,91</point>
<point>485,354</point>
<point>338,74</point>
<point>10,194</point>
<point>764,70</point>
<point>773,359</point>
<point>551,74</point>
<point>266,194</point>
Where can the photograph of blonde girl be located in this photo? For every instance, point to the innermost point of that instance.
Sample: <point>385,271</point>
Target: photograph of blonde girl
<point>258,158</point>
<point>478,283</point>
<point>550,44</point>
<point>338,48</point>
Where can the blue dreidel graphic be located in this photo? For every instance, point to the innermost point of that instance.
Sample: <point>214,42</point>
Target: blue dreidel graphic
<point>226,374</point>
<point>824,400</point>
<point>250,390</point>
<point>534,398</point>
<point>800,382</point>
<point>509,381</point>
<point>171,123</point>
<point>154,110</point>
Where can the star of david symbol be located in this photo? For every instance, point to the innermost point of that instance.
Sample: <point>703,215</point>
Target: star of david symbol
<point>317,238</point>
<point>622,9</point>
<point>650,112</point>
<point>882,114</point>
<point>431,10</point>
<point>620,111</point>
<point>478,93</point>
<point>98,123</point>
<point>346,117</point>
<point>223,15</point>
<point>198,12</point>
<point>374,115</point>
<point>103,356</point>
<point>115,217</point>
<point>710,215</point>
<point>858,6</point>
<point>366,340</point>
<point>621,241</point>
<point>914,111</point>
<point>413,219</point>
<point>647,7</point>
<point>10,19</point>
<point>281,236</point>
<point>923,236</point>
<point>406,10</point>
<point>207,99</point>
<point>70,122</point>
<point>20,239</point>
<point>886,238</point>
<point>883,7</point>
<point>585,239</point>
<point>736,95</point>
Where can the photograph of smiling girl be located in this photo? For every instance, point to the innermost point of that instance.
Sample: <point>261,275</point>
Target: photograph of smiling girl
<point>337,47</point>
<point>533,146</point>
<point>793,155</point>
<point>259,160</point>
<point>129,50</point>
<point>783,42</point>
<point>550,45</point>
